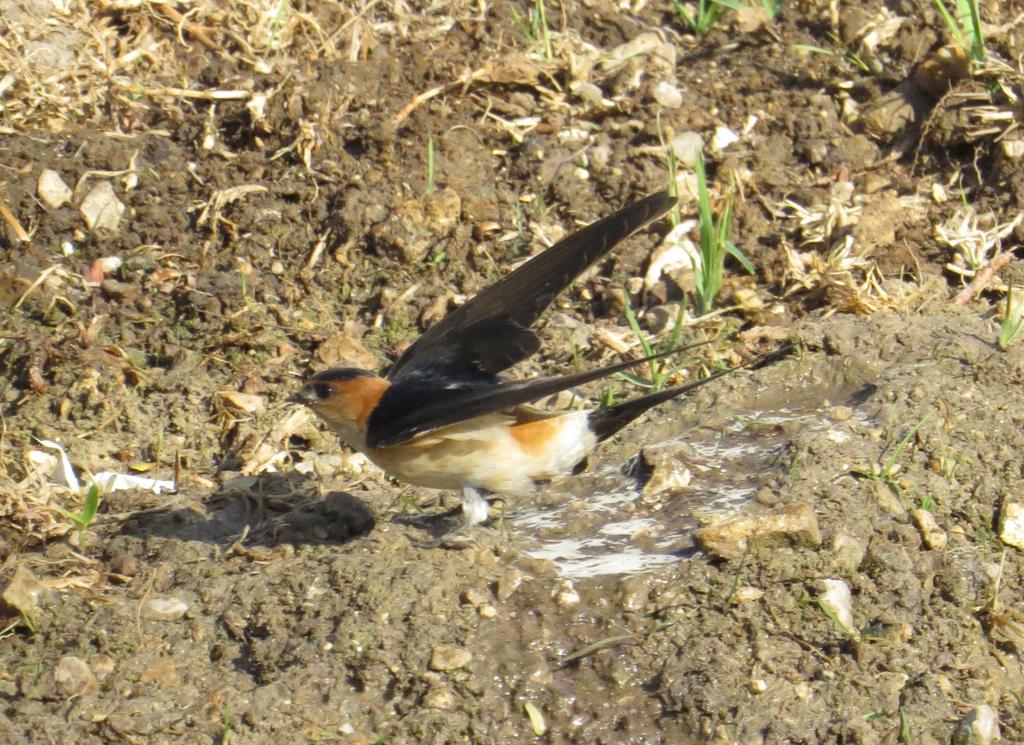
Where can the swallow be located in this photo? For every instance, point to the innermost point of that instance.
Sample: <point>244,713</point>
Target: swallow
<point>445,417</point>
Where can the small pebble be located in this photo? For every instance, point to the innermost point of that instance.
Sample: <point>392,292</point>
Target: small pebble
<point>73,677</point>
<point>1011,528</point>
<point>932,535</point>
<point>439,698</point>
<point>101,208</point>
<point>722,138</point>
<point>565,595</point>
<point>747,594</point>
<point>164,609</point>
<point>687,146</point>
<point>980,726</point>
<point>508,583</point>
<point>849,552</point>
<point>444,657</point>
<point>103,666</point>
<point>838,599</point>
<point>52,190</point>
<point>841,413</point>
<point>474,597</point>
<point>667,95</point>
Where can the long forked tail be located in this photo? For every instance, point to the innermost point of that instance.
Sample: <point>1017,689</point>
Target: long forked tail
<point>607,421</point>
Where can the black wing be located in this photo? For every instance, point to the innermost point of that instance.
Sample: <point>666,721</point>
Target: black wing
<point>406,410</point>
<point>491,332</point>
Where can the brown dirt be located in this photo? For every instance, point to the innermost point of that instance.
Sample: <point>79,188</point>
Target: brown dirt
<point>315,604</point>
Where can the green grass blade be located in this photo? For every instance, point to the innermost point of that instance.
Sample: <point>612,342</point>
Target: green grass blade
<point>92,504</point>
<point>952,25</point>
<point>812,48</point>
<point>633,324</point>
<point>978,43</point>
<point>738,254</point>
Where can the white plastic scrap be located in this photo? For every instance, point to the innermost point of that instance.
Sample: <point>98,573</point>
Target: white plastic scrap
<point>111,481</point>
<point>62,473</point>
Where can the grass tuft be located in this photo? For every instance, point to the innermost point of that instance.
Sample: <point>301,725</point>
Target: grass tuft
<point>714,244</point>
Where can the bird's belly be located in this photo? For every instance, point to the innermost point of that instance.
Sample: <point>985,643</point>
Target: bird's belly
<point>496,458</point>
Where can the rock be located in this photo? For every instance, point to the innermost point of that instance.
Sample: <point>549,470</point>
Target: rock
<point>250,403</point>
<point>747,594</point>
<point>474,597</point>
<point>722,138</point>
<point>103,666</point>
<point>668,468</point>
<point>980,726</point>
<point>932,535</point>
<point>444,657</point>
<point>565,594</point>
<point>164,609</point>
<point>676,256</point>
<point>661,317</point>
<point>73,677</point>
<point>888,501</point>
<point>842,413</point>
<point>667,95</point>
<point>508,583</point>
<point>687,147</point>
<point>849,552</point>
<point>635,592</point>
<point>101,208</point>
<point>794,525</point>
<point>1011,527</point>
<point>439,698</point>
<point>22,592</point>
<point>52,190</point>
<point>837,599</point>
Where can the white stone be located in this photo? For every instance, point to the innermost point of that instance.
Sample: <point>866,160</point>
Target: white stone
<point>73,677</point>
<point>687,147</point>
<point>838,599</point>
<point>722,138</point>
<point>52,190</point>
<point>1011,531</point>
<point>101,208</point>
<point>667,95</point>
<point>164,609</point>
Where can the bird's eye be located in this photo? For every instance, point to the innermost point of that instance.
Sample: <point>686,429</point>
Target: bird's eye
<point>322,391</point>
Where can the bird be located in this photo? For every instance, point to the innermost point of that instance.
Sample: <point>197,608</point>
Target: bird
<point>445,417</point>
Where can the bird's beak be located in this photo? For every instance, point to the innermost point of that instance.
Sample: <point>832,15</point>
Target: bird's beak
<point>304,396</point>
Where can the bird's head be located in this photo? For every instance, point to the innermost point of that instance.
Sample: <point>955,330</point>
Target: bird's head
<point>343,397</point>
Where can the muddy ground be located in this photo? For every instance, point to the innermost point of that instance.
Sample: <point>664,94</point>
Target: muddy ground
<point>312,185</point>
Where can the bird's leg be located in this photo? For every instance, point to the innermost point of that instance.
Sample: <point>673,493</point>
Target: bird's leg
<point>474,507</point>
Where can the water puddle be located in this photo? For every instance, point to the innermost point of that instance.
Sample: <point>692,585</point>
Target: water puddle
<point>610,527</point>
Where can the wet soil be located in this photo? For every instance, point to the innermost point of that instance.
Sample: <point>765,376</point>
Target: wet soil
<point>313,603</point>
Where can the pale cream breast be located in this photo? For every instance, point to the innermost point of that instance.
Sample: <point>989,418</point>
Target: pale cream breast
<point>493,453</point>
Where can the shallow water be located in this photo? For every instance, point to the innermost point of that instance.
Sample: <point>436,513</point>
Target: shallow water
<point>617,529</point>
